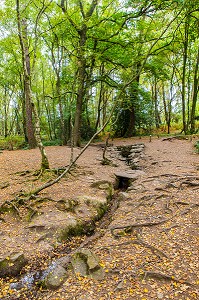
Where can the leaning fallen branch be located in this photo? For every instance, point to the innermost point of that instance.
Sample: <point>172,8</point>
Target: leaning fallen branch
<point>72,163</point>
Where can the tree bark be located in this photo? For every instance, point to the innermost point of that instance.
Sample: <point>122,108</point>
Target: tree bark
<point>195,94</point>
<point>22,32</point>
<point>81,62</point>
<point>44,160</point>
<point>131,131</point>
<point>185,51</point>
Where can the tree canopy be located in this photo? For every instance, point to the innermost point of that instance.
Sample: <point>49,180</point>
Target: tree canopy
<point>68,66</point>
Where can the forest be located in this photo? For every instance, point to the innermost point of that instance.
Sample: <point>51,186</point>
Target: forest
<point>99,100</point>
<point>71,68</point>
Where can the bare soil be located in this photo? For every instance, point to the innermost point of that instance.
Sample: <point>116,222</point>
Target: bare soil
<point>154,252</point>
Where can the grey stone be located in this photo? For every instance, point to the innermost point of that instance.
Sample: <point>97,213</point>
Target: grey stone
<point>130,176</point>
<point>85,263</point>
<point>141,145</point>
<point>79,264</point>
<point>56,277</point>
<point>12,264</point>
<point>123,196</point>
<point>136,150</point>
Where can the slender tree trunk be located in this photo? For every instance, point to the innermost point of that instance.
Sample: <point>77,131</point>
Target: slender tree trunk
<point>166,110</point>
<point>131,131</point>
<point>30,108</point>
<point>195,94</point>
<point>5,113</point>
<point>185,51</point>
<point>44,160</point>
<point>62,125</point>
<point>57,60</point>
<point>22,32</point>
<point>157,115</point>
<point>81,88</point>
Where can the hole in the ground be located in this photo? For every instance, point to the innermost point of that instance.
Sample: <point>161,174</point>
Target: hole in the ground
<point>122,182</point>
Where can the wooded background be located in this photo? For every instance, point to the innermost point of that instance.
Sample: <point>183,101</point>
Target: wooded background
<point>68,66</point>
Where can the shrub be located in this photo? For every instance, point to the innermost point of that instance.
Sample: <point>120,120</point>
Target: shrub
<point>12,143</point>
<point>197,146</point>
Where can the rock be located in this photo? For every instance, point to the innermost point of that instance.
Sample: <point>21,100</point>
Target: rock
<point>137,188</point>
<point>95,201</point>
<point>67,205</point>
<point>136,150</point>
<point>123,196</point>
<point>139,145</point>
<point>79,264</point>
<point>85,263</point>
<point>56,277</point>
<point>124,179</point>
<point>130,176</point>
<point>12,264</point>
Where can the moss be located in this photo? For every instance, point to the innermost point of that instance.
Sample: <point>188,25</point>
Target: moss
<point>75,230</point>
<point>101,210</point>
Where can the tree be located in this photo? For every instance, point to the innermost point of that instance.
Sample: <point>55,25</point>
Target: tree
<point>22,31</point>
<point>30,108</point>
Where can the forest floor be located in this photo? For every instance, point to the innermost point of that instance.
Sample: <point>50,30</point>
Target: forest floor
<point>157,257</point>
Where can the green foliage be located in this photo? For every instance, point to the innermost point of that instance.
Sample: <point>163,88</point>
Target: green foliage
<point>197,146</point>
<point>143,114</point>
<point>12,143</point>
<point>87,131</point>
<point>55,142</point>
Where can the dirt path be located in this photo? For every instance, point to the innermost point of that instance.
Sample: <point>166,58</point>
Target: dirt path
<point>157,257</point>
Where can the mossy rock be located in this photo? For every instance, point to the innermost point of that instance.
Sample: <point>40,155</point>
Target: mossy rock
<point>12,264</point>
<point>86,263</point>
<point>67,205</point>
<point>71,230</point>
<point>104,185</point>
<point>56,278</point>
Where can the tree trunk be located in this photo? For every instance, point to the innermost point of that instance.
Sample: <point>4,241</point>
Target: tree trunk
<point>166,109</point>
<point>22,32</point>
<point>81,88</point>
<point>62,125</point>
<point>195,94</point>
<point>185,50</point>
<point>131,131</point>
<point>155,98</point>
<point>82,74</point>
<point>44,160</point>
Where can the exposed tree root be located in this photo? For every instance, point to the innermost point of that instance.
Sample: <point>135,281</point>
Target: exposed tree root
<point>161,276</point>
<point>169,228</point>
<point>13,203</point>
<point>138,225</point>
<point>138,240</point>
<point>150,224</point>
